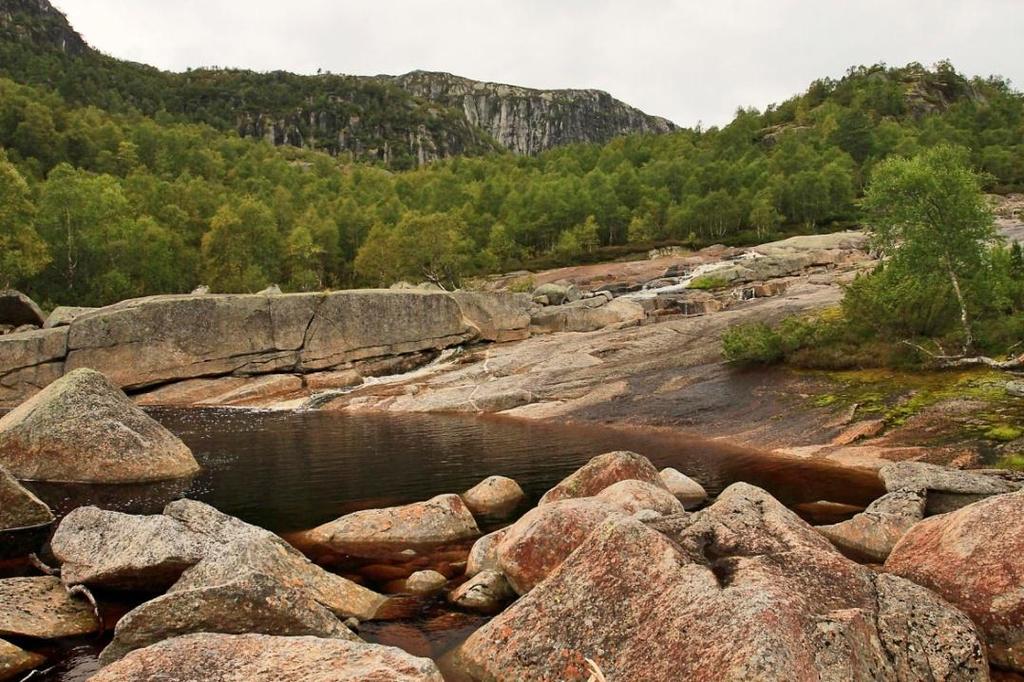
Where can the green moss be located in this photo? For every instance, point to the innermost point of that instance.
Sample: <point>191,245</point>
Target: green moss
<point>1004,433</point>
<point>1012,461</point>
<point>708,282</point>
<point>826,400</point>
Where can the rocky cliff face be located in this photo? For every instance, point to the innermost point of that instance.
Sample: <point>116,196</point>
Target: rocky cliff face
<point>38,22</point>
<point>528,121</point>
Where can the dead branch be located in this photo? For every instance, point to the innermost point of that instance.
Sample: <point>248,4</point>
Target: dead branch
<point>83,591</point>
<point>950,361</point>
<point>38,564</point>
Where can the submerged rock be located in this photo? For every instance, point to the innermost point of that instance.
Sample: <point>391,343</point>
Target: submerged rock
<point>111,549</point>
<point>688,491</point>
<point>873,533</point>
<point>741,590</point>
<point>634,496</point>
<point>252,603</point>
<point>601,472</point>
<point>265,658</point>
<point>19,508</point>
<point>82,428</point>
<point>17,309</point>
<point>14,661</point>
<point>376,533</point>
<point>41,607</point>
<point>974,558</point>
<point>947,489</point>
<point>536,544</point>
<point>485,592</point>
<point>494,496</point>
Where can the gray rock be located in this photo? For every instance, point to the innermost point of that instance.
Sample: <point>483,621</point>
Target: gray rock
<point>382,533</point>
<point>83,428</point>
<point>252,603</point>
<point>688,491</point>
<point>485,592</point>
<point>25,328</point>
<point>30,361</point>
<point>40,607</point>
<point>1015,388</point>
<point>557,293</point>
<point>201,290</point>
<point>947,489</point>
<point>874,532</point>
<point>110,549</point>
<point>498,316</point>
<point>265,658</point>
<point>272,290</point>
<point>17,309</point>
<point>238,547</point>
<point>425,583</point>
<point>494,496</point>
<point>64,315</point>
<point>19,508</point>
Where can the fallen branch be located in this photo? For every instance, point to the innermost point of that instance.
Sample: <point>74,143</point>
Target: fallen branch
<point>38,564</point>
<point>947,361</point>
<point>83,591</point>
<point>595,672</point>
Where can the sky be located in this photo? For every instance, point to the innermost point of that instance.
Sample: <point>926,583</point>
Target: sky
<point>686,60</point>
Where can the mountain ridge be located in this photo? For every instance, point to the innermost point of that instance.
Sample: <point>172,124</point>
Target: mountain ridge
<point>400,121</point>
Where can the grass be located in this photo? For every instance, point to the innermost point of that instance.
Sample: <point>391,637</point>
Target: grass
<point>1004,433</point>
<point>708,282</point>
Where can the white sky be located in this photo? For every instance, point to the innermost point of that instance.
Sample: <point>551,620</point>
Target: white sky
<point>686,60</point>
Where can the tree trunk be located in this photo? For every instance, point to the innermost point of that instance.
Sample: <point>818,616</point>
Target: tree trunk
<point>964,320</point>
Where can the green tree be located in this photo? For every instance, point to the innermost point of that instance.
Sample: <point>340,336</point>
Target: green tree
<point>430,246</point>
<point>241,252</point>
<point>23,253</point>
<point>928,215</point>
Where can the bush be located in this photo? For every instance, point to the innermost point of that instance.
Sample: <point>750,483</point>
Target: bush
<point>753,344</point>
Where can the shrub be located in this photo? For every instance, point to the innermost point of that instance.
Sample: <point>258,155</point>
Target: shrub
<point>752,344</point>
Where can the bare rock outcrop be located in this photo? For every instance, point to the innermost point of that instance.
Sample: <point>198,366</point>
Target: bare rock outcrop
<point>82,428</point>
<point>265,658</point>
<point>974,558</point>
<point>741,590</point>
<point>484,592</point>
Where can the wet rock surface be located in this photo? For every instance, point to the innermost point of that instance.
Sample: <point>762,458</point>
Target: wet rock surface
<point>375,533</point>
<point>741,590</point>
<point>41,608</point>
<point>253,603</point>
<point>83,428</point>
<point>264,658</point>
<point>974,558</point>
<point>14,661</point>
<point>873,533</point>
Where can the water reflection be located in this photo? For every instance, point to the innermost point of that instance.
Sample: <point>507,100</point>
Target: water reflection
<point>287,471</point>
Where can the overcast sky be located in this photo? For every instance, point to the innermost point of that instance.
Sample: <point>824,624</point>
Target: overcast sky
<point>687,60</point>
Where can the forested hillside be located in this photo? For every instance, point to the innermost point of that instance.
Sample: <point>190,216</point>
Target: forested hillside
<point>101,202</point>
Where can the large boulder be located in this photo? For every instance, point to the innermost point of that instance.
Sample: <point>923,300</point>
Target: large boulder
<point>252,603</point>
<point>498,316</point>
<point>17,309</point>
<point>873,533</point>
<point>741,590</point>
<point>483,554</point>
<point>586,315</point>
<point>238,547</point>
<point>382,533</point>
<point>556,293</point>
<point>974,558</point>
<point>14,661</point>
<point>40,607</point>
<point>601,472</point>
<point>82,428</point>
<point>634,496</point>
<point>494,496</point>
<point>947,489</point>
<point>265,658</point>
<point>113,550</point>
<point>536,544</point>
<point>688,491</point>
<point>19,508</point>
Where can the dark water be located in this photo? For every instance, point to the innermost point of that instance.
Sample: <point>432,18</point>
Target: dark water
<point>287,471</point>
